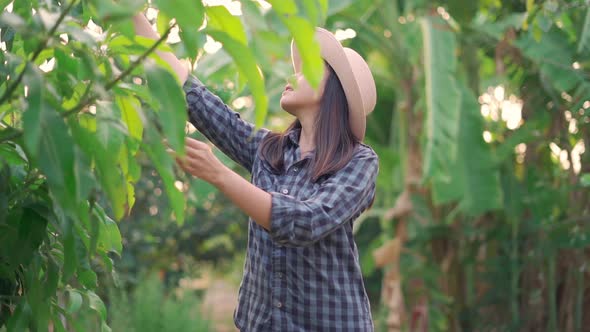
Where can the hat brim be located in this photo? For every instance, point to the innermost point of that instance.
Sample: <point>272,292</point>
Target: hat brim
<point>338,58</point>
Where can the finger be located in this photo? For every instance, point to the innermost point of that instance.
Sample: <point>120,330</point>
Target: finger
<point>195,144</point>
<point>171,152</point>
<point>182,163</point>
<point>187,167</point>
<point>194,153</point>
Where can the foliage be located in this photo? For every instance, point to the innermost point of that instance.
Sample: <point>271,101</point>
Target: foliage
<point>81,99</point>
<point>482,219</point>
<point>151,309</point>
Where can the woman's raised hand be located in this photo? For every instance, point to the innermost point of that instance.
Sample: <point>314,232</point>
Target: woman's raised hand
<point>201,162</point>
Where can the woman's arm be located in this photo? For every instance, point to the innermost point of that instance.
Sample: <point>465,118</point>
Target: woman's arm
<point>237,138</point>
<point>143,28</point>
<point>202,163</point>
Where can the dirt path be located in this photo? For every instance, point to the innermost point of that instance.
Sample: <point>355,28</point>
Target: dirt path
<point>219,304</point>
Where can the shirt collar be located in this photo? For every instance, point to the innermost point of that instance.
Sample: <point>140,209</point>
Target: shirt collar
<point>293,135</point>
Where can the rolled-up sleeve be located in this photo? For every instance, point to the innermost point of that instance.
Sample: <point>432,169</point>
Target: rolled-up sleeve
<point>224,127</point>
<point>341,198</point>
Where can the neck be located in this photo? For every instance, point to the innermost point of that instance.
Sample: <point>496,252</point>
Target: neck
<point>307,136</point>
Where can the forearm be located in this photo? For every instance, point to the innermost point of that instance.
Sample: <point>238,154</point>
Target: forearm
<point>143,28</point>
<point>252,200</point>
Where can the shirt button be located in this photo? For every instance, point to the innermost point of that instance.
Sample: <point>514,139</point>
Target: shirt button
<point>280,275</point>
<point>278,304</point>
<point>285,191</point>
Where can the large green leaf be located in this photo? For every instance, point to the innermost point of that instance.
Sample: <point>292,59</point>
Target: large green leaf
<point>303,32</point>
<point>109,236</point>
<point>187,12</point>
<point>246,62</point>
<point>170,104</point>
<point>110,135</point>
<point>335,6</point>
<point>96,304</point>
<point>32,121</point>
<point>56,159</point>
<point>221,19</point>
<point>554,55</point>
<point>442,99</point>
<point>584,43</point>
<point>474,179</point>
<point>131,114</point>
<point>164,164</point>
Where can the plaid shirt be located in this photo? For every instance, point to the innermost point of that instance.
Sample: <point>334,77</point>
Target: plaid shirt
<point>303,274</point>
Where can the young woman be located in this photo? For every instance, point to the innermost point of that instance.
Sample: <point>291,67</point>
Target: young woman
<point>309,184</point>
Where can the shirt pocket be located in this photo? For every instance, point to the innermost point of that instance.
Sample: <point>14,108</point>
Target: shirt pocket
<point>263,176</point>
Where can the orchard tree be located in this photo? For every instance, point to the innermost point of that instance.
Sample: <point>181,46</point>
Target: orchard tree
<point>81,97</point>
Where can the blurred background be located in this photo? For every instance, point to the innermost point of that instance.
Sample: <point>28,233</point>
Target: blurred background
<point>482,215</point>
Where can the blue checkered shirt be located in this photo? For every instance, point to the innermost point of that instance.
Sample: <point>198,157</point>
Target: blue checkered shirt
<point>303,274</point>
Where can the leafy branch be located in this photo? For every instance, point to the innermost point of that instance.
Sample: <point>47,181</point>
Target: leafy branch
<point>10,90</point>
<point>90,98</point>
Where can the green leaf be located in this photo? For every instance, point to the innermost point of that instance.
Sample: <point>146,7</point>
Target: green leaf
<point>165,166</point>
<point>87,278</point>
<point>315,10</point>
<point>69,245</point>
<point>193,41</point>
<point>474,178</point>
<point>442,100</point>
<point>20,318</point>
<point>246,62</point>
<point>585,180</point>
<point>130,113</point>
<point>4,3</point>
<point>96,304</point>
<point>171,105</point>
<point>110,11</point>
<point>52,275</point>
<point>552,45</point>
<point>186,12</point>
<point>109,236</point>
<point>36,106</point>
<point>75,301</point>
<point>303,33</point>
<point>284,7</point>
<point>221,19</point>
<point>56,159</point>
<point>335,6</point>
<point>10,154</point>
<point>110,136</point>
<point>584,42</point>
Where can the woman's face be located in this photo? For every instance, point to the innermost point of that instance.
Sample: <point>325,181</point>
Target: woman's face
<point>299,96</point>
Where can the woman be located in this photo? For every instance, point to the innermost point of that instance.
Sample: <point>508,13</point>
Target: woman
<point>309,184</point>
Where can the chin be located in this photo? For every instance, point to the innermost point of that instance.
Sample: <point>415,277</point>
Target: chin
<point>288,107</point>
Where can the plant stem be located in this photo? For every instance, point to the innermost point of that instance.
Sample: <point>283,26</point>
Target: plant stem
<point>10,90</point>
<point>514,275</point>
<point>578,312</point>
<point>85,101</point>
<point>552,289</point>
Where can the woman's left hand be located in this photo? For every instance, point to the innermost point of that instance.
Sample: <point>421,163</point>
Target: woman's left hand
<point>201,162</point>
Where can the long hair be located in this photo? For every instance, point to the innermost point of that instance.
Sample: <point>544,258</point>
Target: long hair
<point>333,138</point>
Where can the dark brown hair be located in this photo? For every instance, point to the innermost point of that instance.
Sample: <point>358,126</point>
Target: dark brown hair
<point>334,140</point>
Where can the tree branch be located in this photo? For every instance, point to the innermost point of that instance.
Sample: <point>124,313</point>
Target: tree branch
<point>85,101</point>
<point>10,90</point>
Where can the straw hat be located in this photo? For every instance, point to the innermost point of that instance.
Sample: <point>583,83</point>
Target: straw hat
<point>354,74</point>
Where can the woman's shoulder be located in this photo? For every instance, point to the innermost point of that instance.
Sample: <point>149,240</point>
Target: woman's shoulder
<point>363,151</point>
